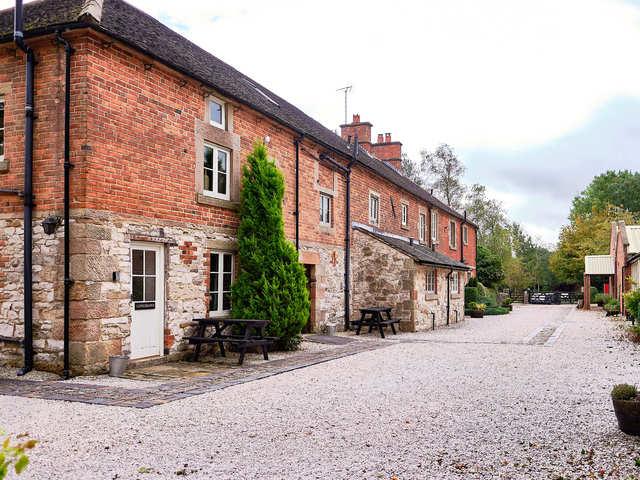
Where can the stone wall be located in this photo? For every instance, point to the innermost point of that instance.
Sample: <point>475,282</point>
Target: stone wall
<point>436,303</point>
<point>381,276</point>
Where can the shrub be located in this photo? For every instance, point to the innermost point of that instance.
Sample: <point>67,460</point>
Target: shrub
<point>602,298</point>
<point>634,333</point>
<point>632,302</point>
<point>272,284</point>
<point>496,311</point>
<point>612,305</point>
<point>624,391</point>
<point>594,292</point>
<point>14,454</point>
<point>473,282</point>
<point>506,302</point>
<point>471,295</point>
<point>477,307</point>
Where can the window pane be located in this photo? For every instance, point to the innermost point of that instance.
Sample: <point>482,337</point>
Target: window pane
<point>137,289</point>
<point>149,289</point>
<point>222,161</point>
<point>226,301</point>
<point>226,282</point>
<point>213,304</point>
<point>215,110</point>
<point>208,157</point>
<point>222,183</point>
<point>213,282</point>
<point>137,262</point>
<point>149,262</point>
<point>208,179</point>
<point>226,263</point>
<point>213,262</point>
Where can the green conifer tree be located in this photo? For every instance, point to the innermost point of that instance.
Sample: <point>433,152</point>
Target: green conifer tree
<point>272,284</point>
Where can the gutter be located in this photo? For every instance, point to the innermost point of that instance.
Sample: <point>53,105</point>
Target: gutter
<point>18,38</point>
<point>68,282</point>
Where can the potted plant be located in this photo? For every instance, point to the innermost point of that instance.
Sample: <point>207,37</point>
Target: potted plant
<point>612,307</point>
<point>508,303</point>
<point>627,408</point>
<point>477,309</point>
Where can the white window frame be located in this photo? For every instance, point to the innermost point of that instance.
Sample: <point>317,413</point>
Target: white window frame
<point>2,129</point>
<point>453,236</point>
<point>374,219</point>
<point>455,283</point>
<point>431,281</point>
<point>404,214</point>
<point>214,180</point>
<point>219,312</point>
<point>329,205</point>
<point>422,225</point>
<point>465,235</point>
<point>434,226</point>
<point>223,112</point>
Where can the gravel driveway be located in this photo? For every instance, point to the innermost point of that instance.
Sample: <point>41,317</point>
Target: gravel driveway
<point>518,396</point>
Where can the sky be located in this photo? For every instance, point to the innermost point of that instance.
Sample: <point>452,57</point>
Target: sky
<point>536,97</point>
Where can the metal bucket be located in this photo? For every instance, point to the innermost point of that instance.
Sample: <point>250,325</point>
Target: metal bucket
<point>117,365</point>
<point>331,329</point>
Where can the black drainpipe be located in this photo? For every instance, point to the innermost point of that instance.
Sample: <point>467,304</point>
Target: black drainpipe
<point>18,38</point>
<point>68,282</point>
<point>449,294</point>
<point>462,223</point>
<point>347,239</point>
<point>296,142</point>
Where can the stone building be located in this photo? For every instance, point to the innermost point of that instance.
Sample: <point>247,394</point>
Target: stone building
<point>159,129</point>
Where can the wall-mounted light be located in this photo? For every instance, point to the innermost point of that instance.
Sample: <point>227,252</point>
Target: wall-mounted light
<point>50,224</point>
<point>267,139</point>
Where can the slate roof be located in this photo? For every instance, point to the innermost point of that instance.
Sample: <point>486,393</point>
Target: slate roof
<point>419,253</point>
<point>143,32</point>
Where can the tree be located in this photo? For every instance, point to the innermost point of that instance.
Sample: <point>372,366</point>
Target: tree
<point>272,284</point>
<point>445,170</point>
<point>586,235</point>
<point>487,213</point>
<point>411,170</point>
<point>618,188</point>
<point>489,267</point>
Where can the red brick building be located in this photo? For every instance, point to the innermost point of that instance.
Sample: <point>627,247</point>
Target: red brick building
<point>158,131</point>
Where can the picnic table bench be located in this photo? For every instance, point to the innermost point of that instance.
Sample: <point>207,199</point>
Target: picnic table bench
<point>249,333</point>
<point>372,317</point>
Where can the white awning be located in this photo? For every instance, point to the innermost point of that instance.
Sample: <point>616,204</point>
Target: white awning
<point>598,265</point>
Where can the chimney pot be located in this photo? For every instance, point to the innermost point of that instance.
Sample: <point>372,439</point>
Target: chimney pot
<point>356,118</point>
<point>387,138</point>
<point>380,138</point>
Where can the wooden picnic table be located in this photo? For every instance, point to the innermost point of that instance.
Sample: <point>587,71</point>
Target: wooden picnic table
<point>372,316</point>
<point>249,333</point>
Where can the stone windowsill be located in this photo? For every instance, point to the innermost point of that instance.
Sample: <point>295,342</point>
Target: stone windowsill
<point>4,166</point>
<point>456,296</point>
<point>430,297</point>
<point>217,202</point>
<point>327,229</point>
<point>404,227</point>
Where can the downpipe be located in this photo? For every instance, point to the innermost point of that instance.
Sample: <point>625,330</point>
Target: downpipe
<point>18,38</point>
<point>347,238</point>
<point>68,282</point>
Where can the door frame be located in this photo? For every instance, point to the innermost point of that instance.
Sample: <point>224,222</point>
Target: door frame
<point>159,248</point>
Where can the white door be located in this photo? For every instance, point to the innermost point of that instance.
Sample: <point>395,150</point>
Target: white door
<point>147,300</point>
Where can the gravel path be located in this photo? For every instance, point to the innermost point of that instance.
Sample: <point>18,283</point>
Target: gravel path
<point>472,401</point>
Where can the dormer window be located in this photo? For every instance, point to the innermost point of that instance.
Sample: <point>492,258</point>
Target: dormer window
<point>217,113</point>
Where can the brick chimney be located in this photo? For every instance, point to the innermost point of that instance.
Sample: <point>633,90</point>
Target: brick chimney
<point>388,151</point>
<point>348,132</point>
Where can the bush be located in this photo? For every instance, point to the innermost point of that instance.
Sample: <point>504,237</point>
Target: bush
<point>506,302</point>
<point>612,305</point>
<point>601,298</point>
<point>477,307</point>
<point>14,454</point>
<point>496,311</point>
<point>594,292</point>
<point>272,284</point>
<point>634,333</point>
<point>473,282</point>
<point>624,391</point>
<point>471,295</point>
<point>632,302</point>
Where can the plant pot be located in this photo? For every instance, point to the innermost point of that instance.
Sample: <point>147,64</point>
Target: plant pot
<point>510,307</point>
<point>628,415</point>
<point>331,329</point>
<point>117,365</point>
<point>612,313</point>
<point>600,303</point>
<point>477,314</point>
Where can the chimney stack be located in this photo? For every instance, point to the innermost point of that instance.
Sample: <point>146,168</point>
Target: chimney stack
<point>359,128</point>
<point>388,151</point>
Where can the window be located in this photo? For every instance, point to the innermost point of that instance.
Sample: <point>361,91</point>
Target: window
<point>217,114</point>
<point>465,235</point>
<point>434,226</point>
<point>422,224</point>
<point>220,275</point>
<point>455,282</point>
<point>216,171</point>
<point>1,128</point>
<point>143,275</point>
<point>452,234</point>
<point>325,209</point>
<point>405,214</point>
<point>374,208</point>
<point>431,280</point>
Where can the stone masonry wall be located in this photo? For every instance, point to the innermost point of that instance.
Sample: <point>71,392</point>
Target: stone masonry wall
<point>382,276</point>
<point>428,303</point>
